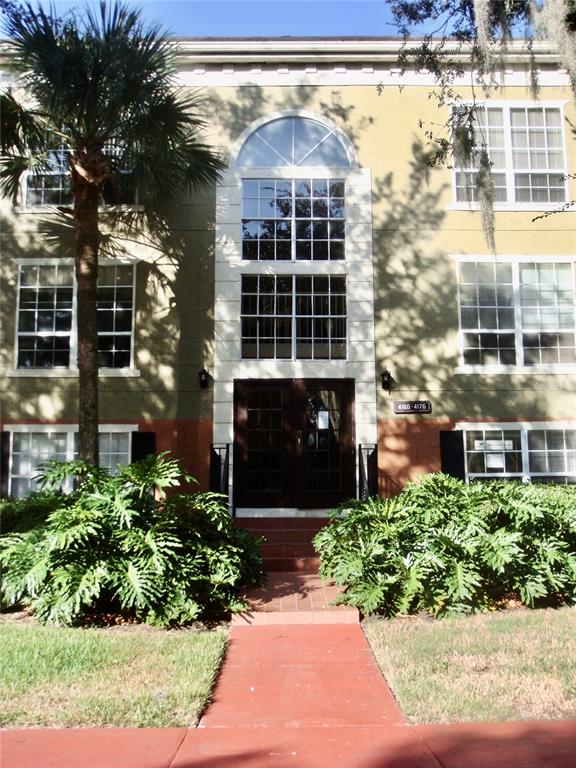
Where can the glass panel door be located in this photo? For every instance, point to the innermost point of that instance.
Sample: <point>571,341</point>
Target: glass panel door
<point>321,441</point>
<point>294,443</point>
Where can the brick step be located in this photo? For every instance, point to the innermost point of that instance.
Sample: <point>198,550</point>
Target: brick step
<point>287,542</point>
<point>291,564</point>
<point>287,549</point>
<point>283,523</point>
<point>286,537</point>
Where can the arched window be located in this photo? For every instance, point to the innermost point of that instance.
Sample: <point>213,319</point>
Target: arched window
<point>293,141</point>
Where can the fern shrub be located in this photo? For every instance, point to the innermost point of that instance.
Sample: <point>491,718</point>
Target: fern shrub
<point>446,547</point>
<point>119,544</point>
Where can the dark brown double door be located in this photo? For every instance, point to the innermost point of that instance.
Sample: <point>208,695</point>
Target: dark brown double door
<point>294,443</point>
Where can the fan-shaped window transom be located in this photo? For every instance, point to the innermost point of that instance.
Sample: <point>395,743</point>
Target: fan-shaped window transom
<point>293,141</point>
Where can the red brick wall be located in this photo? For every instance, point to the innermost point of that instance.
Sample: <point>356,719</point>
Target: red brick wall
<point>188,440</point>
<point>407,448</point>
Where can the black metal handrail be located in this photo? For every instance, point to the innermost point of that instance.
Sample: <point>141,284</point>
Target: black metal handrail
<point>220,468</point>
<point>367,471</point>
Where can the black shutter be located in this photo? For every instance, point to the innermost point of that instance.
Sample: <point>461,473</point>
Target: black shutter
<point>143,444</point>
<point>4,463</point>
<point>452,453</point>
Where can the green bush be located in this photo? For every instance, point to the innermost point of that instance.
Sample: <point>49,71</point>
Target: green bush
<point>447,547</point>
<point>118,544</point>
<point>23,514</point>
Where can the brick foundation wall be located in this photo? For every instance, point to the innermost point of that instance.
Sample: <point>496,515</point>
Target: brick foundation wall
<point>408,448</point>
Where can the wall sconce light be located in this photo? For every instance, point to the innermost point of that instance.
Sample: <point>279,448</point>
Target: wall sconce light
<point>203,376</point>
<point>387,380</point>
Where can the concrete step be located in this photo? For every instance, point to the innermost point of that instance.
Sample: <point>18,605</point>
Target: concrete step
<point>344,615</point>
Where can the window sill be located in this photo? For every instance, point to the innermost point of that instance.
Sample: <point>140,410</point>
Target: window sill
<point>514,207</point>
<point>71,373</point>
<point>515,370</point>
<point>44,209</point>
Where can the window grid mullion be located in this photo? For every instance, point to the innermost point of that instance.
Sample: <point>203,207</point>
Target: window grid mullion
<point>509,156</point>
<point>293,322</point>
<point>293,223</point>
<point>525,453</point>
<point>70,456</point>
<point>517,297</point>
<point>73,362</point>
<point>17,332</point>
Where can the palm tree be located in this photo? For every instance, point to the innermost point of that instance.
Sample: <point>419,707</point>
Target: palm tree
<point>100,85</point>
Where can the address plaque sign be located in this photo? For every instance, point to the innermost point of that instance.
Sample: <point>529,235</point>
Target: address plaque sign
<point>412,406</point>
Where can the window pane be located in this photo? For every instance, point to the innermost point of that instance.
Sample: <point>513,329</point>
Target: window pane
<point>300,317</point>
<point>45,314</point>
<point>536,148</point>
<point>29,451</point>
<point>115,315</point>
<point>493,452</point>
<point>551,452</point>
<point>547,303</point>
<point>275,209</point>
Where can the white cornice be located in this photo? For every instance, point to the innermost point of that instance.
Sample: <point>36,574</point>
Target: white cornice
<point>313,50</point>
<point>337,49</point>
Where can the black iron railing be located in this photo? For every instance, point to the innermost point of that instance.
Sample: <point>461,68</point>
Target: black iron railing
<point>220,468</point>
<point>367,471</point>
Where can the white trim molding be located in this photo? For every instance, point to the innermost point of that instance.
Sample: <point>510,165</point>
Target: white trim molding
<point>518,328</point>
<point>268,118</point>
<point>499,451</point>
<point>21,480</point>
<point>357,267</point>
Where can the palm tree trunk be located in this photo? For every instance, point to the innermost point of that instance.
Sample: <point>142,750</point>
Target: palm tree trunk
<point>86,199</point>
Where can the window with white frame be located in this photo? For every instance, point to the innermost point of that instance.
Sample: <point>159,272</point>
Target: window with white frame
<point>293,219</point>
<point>31,448</point>
<point>293,317</point>
<point>539,452</point>
<point>51,185</point>
<point>517,313</point>
<point>115,315</point>
<point>45,315</point>
<point>525,146</point>
<point>46,334</point>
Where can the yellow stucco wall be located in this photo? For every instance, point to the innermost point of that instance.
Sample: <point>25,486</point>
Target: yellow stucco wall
<point>414,233</point>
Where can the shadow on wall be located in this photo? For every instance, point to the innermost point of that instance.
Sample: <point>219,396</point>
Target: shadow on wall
<point>173,328</point>
<point>417,330</point>
<point>28,397</point>
<point>252,102</point>
<point>174,318</point>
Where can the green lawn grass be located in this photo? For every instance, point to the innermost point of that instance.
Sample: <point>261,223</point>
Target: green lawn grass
<point>513,665</point>
<point>92,677</point>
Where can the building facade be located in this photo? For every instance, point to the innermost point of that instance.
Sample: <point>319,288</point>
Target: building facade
<point>329,321</point>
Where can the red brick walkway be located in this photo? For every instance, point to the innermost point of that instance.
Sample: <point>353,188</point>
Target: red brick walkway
<point>295,695</point>
<point>295,598</point>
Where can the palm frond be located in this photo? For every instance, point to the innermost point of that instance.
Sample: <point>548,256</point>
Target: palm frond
<point>106,79</point>
<point>12,167</point>
<point>21,128</point>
